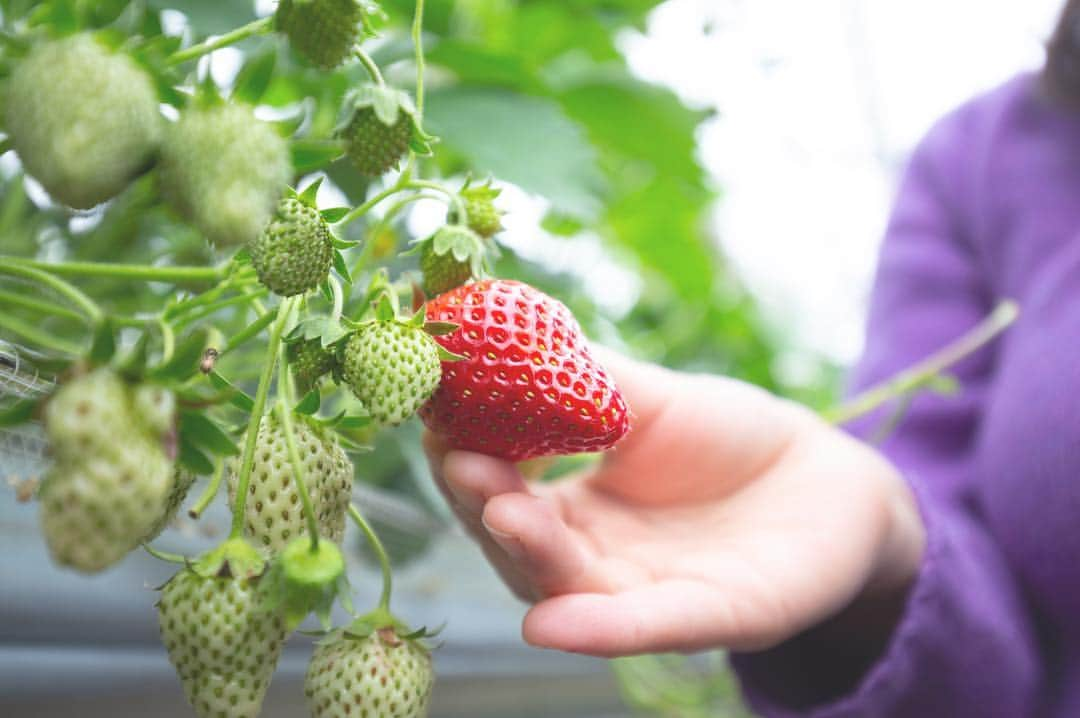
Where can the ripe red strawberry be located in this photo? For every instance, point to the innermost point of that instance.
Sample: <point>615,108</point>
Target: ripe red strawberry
<point>528,385</point>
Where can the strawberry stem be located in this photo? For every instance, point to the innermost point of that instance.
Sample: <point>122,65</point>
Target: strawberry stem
<point>418,49</point>
<point>44,272</point>
<point>263,390</point>
<point>923,373</point>
<point>258,27</point>
<point>370,66</point>
<point>32,334</point>
<point>380,553</point>
<point>209,492</point>
<point>284,415</point>
<point>170,275</point>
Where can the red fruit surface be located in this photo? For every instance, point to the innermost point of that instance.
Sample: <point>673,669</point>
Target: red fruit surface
<point>528,386</point>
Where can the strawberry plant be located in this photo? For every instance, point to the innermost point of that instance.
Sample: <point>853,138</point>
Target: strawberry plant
<point>274,360</point>
<point>221,275</point>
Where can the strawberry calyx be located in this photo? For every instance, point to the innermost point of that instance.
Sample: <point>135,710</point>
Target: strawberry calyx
<point>388,105</point>
<point>306,577</point>
<point>235,558</point>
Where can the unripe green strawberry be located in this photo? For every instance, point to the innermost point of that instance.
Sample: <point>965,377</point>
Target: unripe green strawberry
<point>111,479</point>
<point>481,214</point>
<point>323,31</point>
<point>392,368</point>
<point>310,361</point>
<point>379,126</point>
<point>450,257</point>
<point>223,645</point>
<point>292,254</point>
<point>223,170</point>
<point>84,120</point>
<point>381,675</point>
<point>273,512</point>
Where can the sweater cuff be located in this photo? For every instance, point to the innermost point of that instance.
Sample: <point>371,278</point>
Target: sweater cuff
<point>776,682</point>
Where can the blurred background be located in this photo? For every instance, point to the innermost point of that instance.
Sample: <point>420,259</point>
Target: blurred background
<point>704,181</point>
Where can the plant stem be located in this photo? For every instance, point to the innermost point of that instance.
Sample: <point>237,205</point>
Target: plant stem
<point>363,209</point>
<point>213,307</point>
<point>168,340</point>
<point>267,377</point>
<point>258,27</point>
<point>29,270</point>
<point>248,332</point>
<point>209,492</point>
<point>32,334</point>
<point>165,555</point>
<point>380,553</point>
<point>920,374</point>
<point>339,298</point>
<point>455,199</point>
<point>39,305</point>
<point>418,49</point>
<point>370,66</point>
<point>284,414</point>
<point>170,275</point>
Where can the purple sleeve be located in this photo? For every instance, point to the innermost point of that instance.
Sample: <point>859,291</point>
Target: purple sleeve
<point>964,644</point>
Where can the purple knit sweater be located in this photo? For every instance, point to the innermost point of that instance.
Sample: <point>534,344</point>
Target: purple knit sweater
<point>989,208</point>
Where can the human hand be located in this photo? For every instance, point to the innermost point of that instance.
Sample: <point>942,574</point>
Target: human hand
<point>727,518</point>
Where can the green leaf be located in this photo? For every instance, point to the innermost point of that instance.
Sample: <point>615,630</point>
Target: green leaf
<point>203,432</point>
<point>20,412</point>
<point>185,359</point>
<point>193,459</point>
<point>254,78</point>
<point>210,17</point>
<point>309,405</point>
<point>103,348</point>
<point>236,397</point>
<point>499,131</point>
<point>311,155</point>
<point>354,422</point>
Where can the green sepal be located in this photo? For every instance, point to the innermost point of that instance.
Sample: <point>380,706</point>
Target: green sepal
<point>385,311</point>
<point>133,363</point>
<point>440,329</point>
<point>301,581</point>
<point>310,193</point>
<point>254,78</point>
<point>341,267</point>
<point>340,243</point>
<point>310,155</point>
<point>334,215</point>
<point>309,405</point>
<point>323,328</point>
<point>19,412</point>
<point>204,433</point>
<point>242,257</point>
<point>103,346</point>
<point>447,355</point>
<point>388,103</point>
<point>235,558</point>
<point>234,395</point>
<point>416,321</point>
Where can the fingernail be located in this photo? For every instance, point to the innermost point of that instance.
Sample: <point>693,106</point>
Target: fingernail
<point>507,542</point>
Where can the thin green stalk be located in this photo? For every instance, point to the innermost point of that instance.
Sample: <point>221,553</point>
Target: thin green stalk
<point>370,66</point>
<point>214,307</point>
<point>418,49</point>
<point>168,340</point>
<point>32,334</point>
<point>454,197</point>
<point>169,275</point>
<point>919,375</point>
<point>363,209</point>
<point>250,331</point>
<point>285,415</point>
<point>258,27</point>
<point>339,298</point>
<point>380,553</point>
<point>368,248</point>
<point>165,555</point>
<point>209,492</point>
<point>43,274</point>
<point>25,301</point>
<point>263,390</point>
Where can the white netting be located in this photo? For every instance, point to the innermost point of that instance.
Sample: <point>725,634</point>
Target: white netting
<point>22,447</point>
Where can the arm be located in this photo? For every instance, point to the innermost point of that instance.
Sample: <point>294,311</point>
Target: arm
<point>960,637</point>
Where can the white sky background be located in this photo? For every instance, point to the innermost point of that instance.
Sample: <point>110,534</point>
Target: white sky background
<point>819,104</point>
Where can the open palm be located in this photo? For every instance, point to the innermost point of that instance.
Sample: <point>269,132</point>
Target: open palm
<point>727,518</point>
